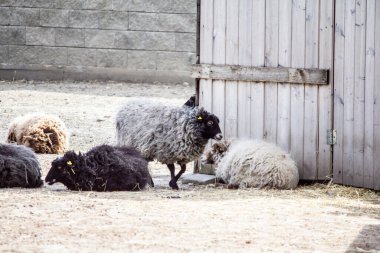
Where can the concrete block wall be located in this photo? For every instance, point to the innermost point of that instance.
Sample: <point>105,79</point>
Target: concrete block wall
<point>131,40</point>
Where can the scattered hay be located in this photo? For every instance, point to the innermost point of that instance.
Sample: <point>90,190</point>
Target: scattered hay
<point>331,190</point>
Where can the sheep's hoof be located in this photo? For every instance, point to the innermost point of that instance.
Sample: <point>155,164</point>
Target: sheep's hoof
<point>173,185</point>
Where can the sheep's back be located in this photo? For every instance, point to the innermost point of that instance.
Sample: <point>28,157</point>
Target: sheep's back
<point>119,168</point>
<point>19,167</point>
<point>258,164</point>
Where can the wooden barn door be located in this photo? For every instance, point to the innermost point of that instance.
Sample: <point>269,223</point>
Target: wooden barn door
<point>357,93</point>
<point>272,34</point>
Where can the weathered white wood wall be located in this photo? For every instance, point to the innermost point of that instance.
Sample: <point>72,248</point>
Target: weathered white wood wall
<point>272,33</point>
<point>357,93</point>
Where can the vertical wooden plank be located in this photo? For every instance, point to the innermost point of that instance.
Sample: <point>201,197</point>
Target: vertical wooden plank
<point>339,89</point>
<point>258,60</point>
<point>245,56</point>
<point>206,50</point>
<point>271,60</point>
<point>218,102</point>
<point>219,57</point>
<point>359,76</point>
<point>232,50</point>
<point>284,60</point>
<point>349,68</point>
<point>297,91</point>
<point>368,177</point>
<point>326,13</point>
<point>311,92</point>
<point>376,111</point>
<point>205,96</point>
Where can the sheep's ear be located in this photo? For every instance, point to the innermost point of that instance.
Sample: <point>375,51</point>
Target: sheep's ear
<point>201,114</point>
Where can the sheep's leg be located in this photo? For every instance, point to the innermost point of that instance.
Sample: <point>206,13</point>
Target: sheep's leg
<point>173,182</point>
<point>172,176</point>
<point>172,170</point>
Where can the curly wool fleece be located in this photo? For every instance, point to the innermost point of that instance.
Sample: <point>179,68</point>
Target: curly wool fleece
<point>167,133</point>
<point>258,164</point>
<point>46,134</point>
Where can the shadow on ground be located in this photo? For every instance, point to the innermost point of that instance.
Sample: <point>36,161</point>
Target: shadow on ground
<point>368,240</point>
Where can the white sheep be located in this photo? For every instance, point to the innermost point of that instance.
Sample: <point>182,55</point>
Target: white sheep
<point>253,163</point>
<point>43,133</point>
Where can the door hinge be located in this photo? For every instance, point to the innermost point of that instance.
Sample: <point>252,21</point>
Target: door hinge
<point>331,136</point>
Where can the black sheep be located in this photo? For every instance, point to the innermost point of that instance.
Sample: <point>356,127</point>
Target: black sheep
<point>19,167</point>
<point>103,168</point>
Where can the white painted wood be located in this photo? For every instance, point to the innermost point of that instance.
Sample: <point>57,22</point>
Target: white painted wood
<point>245,59</point>
<point>326,17</point>
<point>258,60</point>
<point>376,111</point>
<point>219,57</point>
<point>368,176</point>
<point>205,96</point>
<point>261,74</point>
<point>311,92</point>
<point>219,32</point>
<point>297,91</point>
<point>206,31</point>
<point>271,60</point>
<point>218,102</point>
<point>349,70</point>
<point>206,51</point>
<point>284,60</point>
<point>339,90</point>
<point>359,85</point>
<point>232,53</point>
<point>231,109</point>
<point>299,34</point>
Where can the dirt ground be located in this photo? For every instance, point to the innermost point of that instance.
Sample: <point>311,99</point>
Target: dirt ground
<point>312,218</point>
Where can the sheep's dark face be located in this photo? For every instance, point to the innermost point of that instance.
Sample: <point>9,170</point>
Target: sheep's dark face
<point>210,125</point>
<point>64,170</point>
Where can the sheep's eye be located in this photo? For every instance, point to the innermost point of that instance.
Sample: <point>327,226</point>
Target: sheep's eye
<point>210,123</point>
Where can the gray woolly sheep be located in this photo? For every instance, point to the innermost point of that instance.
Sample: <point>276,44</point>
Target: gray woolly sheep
<point>45,134</point>
<point>103,168</point>
<point>253,163</point>
<point>19,167</point>
<point>169,134</point>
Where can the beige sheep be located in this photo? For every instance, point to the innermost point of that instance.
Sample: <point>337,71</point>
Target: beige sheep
<point>252,163</point>
<point>43,133</point>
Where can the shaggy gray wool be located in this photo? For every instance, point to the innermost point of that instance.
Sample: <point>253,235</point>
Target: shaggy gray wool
<point>19,167</point>
<point>253,163</point>
<point>166,133</point>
